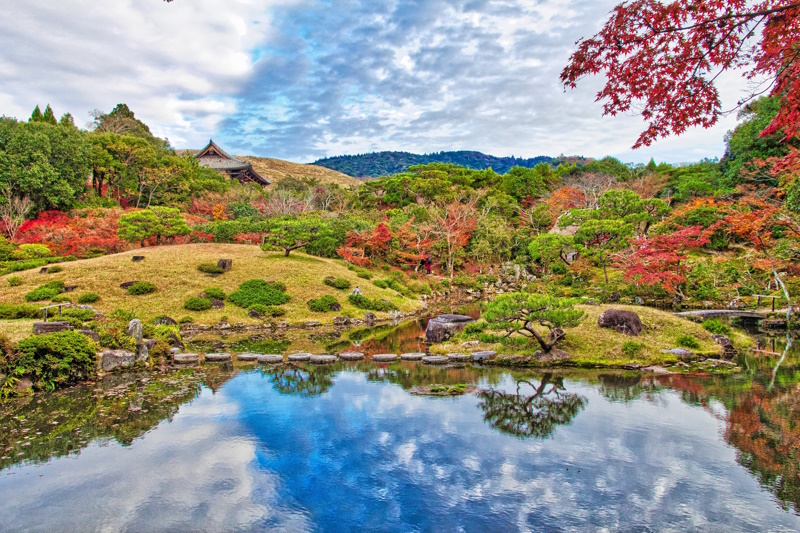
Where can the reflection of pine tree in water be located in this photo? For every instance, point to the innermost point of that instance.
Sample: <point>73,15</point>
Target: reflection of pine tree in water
<point>292,379</point>
<point>536,415</point>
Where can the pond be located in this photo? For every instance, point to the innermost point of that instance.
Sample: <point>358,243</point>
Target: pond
<point>349,447</point>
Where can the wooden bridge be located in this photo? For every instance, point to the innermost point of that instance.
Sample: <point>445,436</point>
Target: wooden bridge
<point>713,313</point>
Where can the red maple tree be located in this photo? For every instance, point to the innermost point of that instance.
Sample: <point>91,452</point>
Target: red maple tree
<point>667,56</point>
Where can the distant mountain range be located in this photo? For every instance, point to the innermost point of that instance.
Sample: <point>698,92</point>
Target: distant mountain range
<point>377,164</point>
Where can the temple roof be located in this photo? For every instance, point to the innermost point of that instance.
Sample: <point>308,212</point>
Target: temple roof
<point>213,156</point>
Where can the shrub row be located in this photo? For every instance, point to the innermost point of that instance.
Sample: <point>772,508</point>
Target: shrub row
<point>362,302</point>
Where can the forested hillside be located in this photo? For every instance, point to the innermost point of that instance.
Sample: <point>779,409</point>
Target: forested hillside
<point>378,164</point>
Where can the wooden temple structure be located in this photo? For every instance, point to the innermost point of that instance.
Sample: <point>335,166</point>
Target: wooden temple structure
<point>212,156</point>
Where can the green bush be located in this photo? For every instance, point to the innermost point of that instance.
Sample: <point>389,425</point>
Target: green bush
<point>716,326</point>
<point>30,251</point>
<point>15,311</point>
<point>419,287</point>
<point>141,287</point>
<point>337,283</point>
<point>465,282</point>
<point>362,302</point>
<point>632,348</point>
<point>61,298</point>
<point>56,359</point>
<point>185,320</point>
<point>322,304</point>
<point>114,334</point>
<point>215,293</point>
<point>14,281</point>
<point>361,272</point>
<point>84,315</point>
<point>42,293</point>
<point>257,291</point>
<point>487,278</point>
<point>210,268</point>
<point>268,310</point>
<point>88,298</point>
<point>687,341</point>
<point>197,304</point>
<point>55,269</point>
<point>380,283</point>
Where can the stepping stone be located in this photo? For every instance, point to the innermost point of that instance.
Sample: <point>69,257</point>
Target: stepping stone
<point>351,356</point>
<point>248,356</point>
<point>480,356</point>
<point>323,359</point>
<point>299,357</point>
<point>186,358</point>
<point>459,357</point>
<point>384,357</point>
<point>414,356</point>
<point>435,360</point>
<point>270,359</point>
<point>217,357</point>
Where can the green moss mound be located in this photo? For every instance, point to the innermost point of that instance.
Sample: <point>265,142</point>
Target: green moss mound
<point>258,292</point>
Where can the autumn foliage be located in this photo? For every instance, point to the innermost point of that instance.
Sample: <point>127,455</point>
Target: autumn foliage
<point>95,230</point>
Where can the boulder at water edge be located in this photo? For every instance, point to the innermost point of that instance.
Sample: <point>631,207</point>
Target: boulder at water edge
<point>443,327</point>
<point>626,322</point>
<point>135,330</point>
<point>115,359</point>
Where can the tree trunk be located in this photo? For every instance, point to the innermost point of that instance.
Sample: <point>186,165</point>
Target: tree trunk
<point>286,252</point>
<point>546,346</point>
<point>605,272</point>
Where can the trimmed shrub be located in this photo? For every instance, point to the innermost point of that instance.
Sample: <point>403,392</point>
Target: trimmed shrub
<point>716,326</point>
<point>88,298</point>
<point>14,311</point>
<point>475,327</point>
<point>322,304</point>
<point>197,304</point>
<point>687,341</point>
<point>48,291</point>
<point>141,287</point>
<point>215,293</point>
<point>268,310</point>
<point>14,281</point>
<point>337,283</point>
<point>114,335</point>
<point>362,302</point>
<point>258,292</point>
<point>30,251</point>
<point>210,268</point>
<point>185,320</point>
<point>56,359</point>
<point>380,283</point>
<point>61,298</point>
<point>55,269</point>
<point>83,315</point>
<point>361,272</point>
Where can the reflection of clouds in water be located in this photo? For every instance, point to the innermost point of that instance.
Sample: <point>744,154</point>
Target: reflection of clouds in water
<point>191,474</point>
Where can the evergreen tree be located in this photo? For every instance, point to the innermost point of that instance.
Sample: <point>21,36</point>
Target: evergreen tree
<point>36,116</point>
<point>49,117</point>
<point>67,120</point>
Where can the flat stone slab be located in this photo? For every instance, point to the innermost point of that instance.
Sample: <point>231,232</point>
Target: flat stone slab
<point>50,327</point>
<point>351,356</point>
<point>186,358</point>
<point>248,356</point>
<point>114,359</point>
<point>270,359</point>
<point>412,356</point>
<point>218,357</point>
<point>480,356</point>
<point>435,360</point>
<point>324,359</point>
<point>459,357</point>
<point>384,357</point>
<point>299,357</point>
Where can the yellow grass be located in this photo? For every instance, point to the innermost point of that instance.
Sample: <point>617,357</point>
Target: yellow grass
<point>173,269</point>
<point>16,330</point>
<point>275,170</point>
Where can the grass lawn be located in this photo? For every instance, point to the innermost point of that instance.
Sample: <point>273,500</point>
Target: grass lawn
<point>173,269</point>
<point>590,345</point>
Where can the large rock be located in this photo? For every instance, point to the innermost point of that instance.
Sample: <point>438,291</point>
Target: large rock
<point>135,330</point>
<point>50,327</point>
<point>370,317</point>
<point>443,327</point>
<point>626,322</point>
<point>116,359</point>
<point>728,351</point>
<point>165,321</point>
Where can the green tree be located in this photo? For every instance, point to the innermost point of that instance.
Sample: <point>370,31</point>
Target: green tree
<point>67,120</point>
<point>294,234</point>
<point>171,223</point>
<point>601,237</point>
<point>49,117</point>
<point>36,116</point>
<point>138,226</point>
<point>548,248</point>
<point>520,312</point>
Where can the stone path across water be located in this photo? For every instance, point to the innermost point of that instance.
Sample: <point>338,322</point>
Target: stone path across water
<point>384,357</point>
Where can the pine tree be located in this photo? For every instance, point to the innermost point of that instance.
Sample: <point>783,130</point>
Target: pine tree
<point>36,116</point>
<point>67,120</point>
<point>49,116</point>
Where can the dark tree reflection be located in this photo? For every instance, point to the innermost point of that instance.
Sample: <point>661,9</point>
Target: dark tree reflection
<point>292,379</point>
<point>534,415</point>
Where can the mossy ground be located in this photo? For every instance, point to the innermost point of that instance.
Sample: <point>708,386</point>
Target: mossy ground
<point>173,269</point>
<point>589,345</point>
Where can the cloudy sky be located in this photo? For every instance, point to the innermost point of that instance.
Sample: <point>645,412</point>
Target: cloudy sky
<point>304,79</point>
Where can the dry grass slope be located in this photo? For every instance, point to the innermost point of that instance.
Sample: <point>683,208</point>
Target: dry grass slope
<point>275,170</point>
<point>174,271</point>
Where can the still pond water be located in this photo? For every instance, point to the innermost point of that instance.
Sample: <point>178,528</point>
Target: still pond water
<point>348,448</point>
